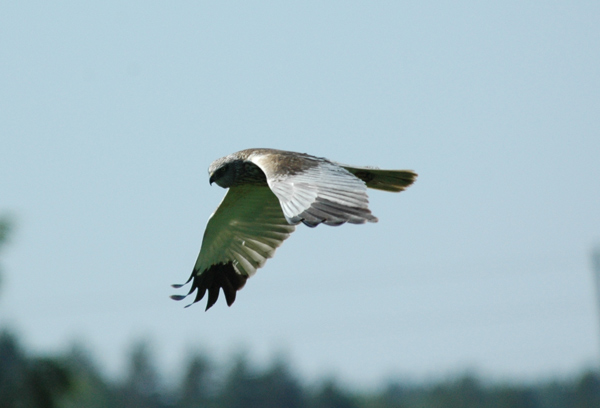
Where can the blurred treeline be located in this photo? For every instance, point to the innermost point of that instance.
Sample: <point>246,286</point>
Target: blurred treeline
<point>73,380</point>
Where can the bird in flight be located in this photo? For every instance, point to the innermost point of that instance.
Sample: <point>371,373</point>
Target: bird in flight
<point>270,192</point>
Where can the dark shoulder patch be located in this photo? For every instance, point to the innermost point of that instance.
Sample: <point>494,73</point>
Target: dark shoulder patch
<point>212,280</point>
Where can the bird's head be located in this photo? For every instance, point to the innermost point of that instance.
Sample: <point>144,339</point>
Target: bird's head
<point>223,171</point>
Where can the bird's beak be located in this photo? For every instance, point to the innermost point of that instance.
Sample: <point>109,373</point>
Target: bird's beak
<point>211,179</point>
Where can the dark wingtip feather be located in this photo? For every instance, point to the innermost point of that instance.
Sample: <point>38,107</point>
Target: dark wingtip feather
<point>180,285</point>
<point>230,298</point>
<point>212,280</point>
<point>213,296</point>
<point>178,297</point>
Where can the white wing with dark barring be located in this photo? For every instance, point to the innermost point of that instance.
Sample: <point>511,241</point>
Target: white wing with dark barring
<point>317,191</point>
<point>245,230</point>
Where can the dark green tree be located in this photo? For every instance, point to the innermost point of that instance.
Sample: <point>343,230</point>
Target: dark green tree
<point>331,395</point>
<point>89,389</point>
<point>395,395</point>
<point>39,382</point>
<point>587,391</point>
<point>240,389</point>
<point>464,393</point>
<point>247,387</point>
<point>48,380</point>
<point>280,388</point>
<point>512,396</point>
<point>197,389</point>
<point>141,388</point>
<point>13,372</point>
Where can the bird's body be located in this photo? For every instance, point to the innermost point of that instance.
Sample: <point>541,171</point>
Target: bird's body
<point>270,192</point>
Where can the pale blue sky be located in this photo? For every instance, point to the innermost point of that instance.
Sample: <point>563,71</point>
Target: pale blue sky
<point>110,114</point>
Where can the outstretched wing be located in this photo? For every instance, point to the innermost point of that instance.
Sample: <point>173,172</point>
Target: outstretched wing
<point>313,190</point>
<point>241,235</point>
<point>386,180</point>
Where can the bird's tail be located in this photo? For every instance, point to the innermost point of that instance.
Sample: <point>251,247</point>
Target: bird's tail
<point>386,180</point>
